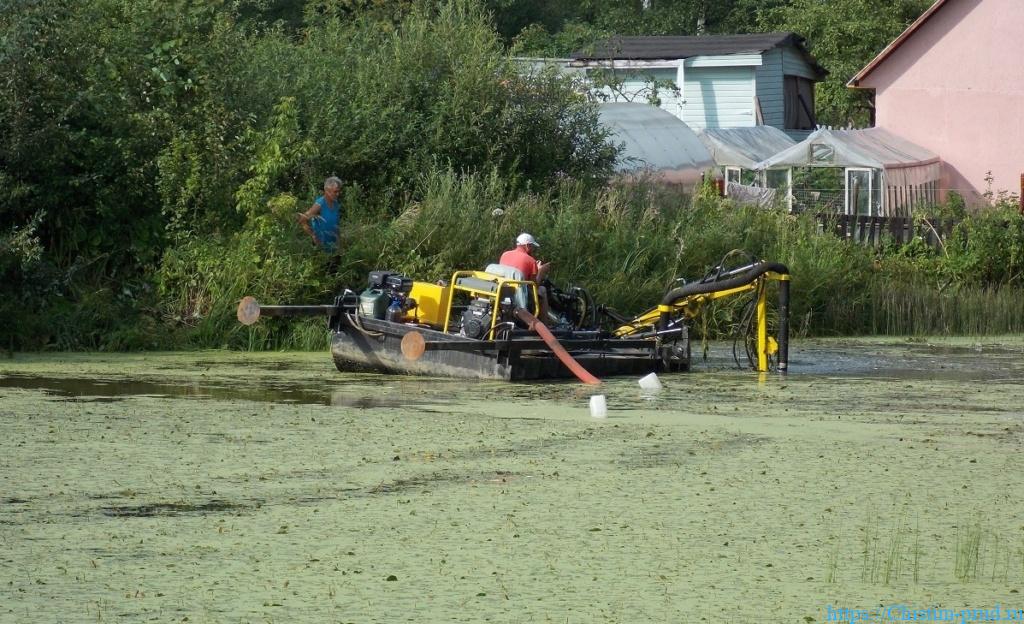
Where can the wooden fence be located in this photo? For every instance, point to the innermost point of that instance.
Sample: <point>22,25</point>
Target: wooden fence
<point>876,230</point>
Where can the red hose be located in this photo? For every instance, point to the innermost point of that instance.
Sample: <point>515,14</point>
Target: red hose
<point>533,324</point>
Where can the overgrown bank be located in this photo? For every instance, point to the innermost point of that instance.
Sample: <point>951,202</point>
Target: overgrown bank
<point>626,244</point>
<point>155,156</point>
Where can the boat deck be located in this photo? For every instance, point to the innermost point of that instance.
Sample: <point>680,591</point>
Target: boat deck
<point>377,345</point>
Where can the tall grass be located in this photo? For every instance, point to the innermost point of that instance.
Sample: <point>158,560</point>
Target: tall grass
<point>915,309</point>
<point>884,556</point>
<point>626,244</point>
<point>983,554</point>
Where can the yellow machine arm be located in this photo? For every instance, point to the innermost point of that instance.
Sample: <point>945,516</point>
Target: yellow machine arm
<point>686,303</point>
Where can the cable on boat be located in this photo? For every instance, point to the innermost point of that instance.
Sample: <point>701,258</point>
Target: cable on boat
<point>359,325</point>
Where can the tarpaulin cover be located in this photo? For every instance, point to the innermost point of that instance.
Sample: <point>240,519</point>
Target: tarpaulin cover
<point>744,147</point>
<point>743,194</point>
<point>654,141</point>
<point>905,163</point>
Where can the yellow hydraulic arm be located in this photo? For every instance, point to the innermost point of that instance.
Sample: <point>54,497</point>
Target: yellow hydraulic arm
<point>687,302</point>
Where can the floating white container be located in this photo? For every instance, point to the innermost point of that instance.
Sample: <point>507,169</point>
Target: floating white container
<point>650,383</point>
<point>598,406</point>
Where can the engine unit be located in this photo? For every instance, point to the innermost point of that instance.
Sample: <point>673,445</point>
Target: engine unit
<point>476,320</point>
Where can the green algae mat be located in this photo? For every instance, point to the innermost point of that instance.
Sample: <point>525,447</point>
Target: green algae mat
<point>880,478</point>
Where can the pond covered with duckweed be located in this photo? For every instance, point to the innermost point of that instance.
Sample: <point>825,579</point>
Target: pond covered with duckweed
<point>267,487</point>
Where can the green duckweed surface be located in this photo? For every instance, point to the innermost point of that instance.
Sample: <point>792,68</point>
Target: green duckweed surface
<point>235,487</point>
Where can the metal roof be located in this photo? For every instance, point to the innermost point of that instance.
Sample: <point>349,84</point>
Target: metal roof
<point>656,141</point>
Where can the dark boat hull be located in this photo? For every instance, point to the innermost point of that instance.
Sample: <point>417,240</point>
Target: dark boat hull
<point>377,345</point>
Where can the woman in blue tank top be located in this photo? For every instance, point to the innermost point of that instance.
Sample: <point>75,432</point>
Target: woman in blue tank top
<point>323,218</point>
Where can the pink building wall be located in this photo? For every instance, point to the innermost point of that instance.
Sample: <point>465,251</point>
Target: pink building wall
<point>956,87</point>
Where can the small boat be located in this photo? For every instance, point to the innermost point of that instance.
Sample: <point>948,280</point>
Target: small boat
<point>483,324</point>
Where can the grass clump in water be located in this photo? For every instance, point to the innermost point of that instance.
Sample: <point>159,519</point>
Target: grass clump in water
<point>886,554</point>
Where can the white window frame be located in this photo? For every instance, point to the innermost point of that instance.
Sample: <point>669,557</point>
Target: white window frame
<point>851,208</point>
<point>739,177</point>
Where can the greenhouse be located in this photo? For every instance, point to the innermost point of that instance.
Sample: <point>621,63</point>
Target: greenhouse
<point>869,172</point>
<point>654,142</point>
<point>737,151</point>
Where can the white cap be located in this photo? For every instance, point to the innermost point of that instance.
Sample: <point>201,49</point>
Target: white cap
<point>526,239</point>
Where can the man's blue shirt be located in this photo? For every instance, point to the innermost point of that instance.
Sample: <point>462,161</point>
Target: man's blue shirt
<point>325,225</point>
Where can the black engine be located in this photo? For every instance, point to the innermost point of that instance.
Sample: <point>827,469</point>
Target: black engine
<point>575,307</point>
<point>476,320</point>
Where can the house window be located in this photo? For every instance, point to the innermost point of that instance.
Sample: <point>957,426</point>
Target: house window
<point>799,96</point>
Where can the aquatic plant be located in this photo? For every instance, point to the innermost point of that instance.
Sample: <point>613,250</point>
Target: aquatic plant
<point>884,555</point>
<point>968,554</point>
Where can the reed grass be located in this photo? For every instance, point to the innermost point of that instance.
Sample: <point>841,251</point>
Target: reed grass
<point>626,244</point>
<point>983,554</point>
<point>969,550</point>
<point>912,309</point>
<point>885,554</point>
<point>833,557</point>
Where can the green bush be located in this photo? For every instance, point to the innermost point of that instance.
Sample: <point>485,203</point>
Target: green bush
<point>141,129</point>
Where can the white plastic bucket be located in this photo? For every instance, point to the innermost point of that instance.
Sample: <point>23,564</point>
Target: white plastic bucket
<point>651,383</point>
<point>598,406</point>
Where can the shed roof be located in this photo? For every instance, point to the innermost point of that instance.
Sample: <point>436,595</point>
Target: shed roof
<point>673,47</point>
<point>744,147</point>
<point>654,140</point>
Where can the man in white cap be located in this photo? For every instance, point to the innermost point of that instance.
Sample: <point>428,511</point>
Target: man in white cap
<point>522,258</point>
<point>534,270</point>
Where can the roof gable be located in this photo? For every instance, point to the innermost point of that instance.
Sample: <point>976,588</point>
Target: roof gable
<point>896,43</point>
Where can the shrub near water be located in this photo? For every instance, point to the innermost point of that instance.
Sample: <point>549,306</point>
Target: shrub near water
<point>972,284</point>
<point>132,125</point>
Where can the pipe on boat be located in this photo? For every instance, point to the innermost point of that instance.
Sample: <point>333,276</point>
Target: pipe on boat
<point>535,325</point>
<point>249,310</point>
<point>742,279</point>
<point>700,288</point>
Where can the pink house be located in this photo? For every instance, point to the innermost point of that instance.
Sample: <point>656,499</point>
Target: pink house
<point>953,83</point>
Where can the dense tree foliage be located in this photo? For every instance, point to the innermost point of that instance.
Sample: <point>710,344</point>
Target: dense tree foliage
<point>131,127</point>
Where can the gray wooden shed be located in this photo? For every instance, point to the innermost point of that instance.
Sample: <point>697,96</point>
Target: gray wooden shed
<point>720,81</point>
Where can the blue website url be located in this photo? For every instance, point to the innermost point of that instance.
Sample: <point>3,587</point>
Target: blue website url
<point>903,613</point>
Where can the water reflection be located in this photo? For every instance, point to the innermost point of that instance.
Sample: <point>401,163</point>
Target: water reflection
<point>716,373</point>
<point>93,390</point>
